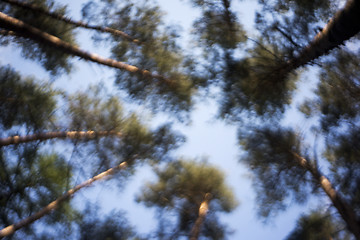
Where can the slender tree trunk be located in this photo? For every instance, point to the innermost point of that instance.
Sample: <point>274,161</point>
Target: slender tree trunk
<point>51,135</point>
<point>345,211</point>
<point>60,17</point>
<point>27,31</point>
<point>344,25</point>
<point>203,209</point>
<point>53,205</point>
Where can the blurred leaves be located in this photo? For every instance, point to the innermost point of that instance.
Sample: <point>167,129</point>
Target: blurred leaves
<point>24,101</point>
<point>317,226</point>
<point>181,188</point>
<point>112,226</point>
<point>29,180</point>
<point>278,177</point>
<point>158,52</point>
<point>53,60</point>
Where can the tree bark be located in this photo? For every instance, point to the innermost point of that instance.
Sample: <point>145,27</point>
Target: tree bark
<point>27,31</point>
<point>50,135</point>
<point>53,205</point>
<point>345,211</point>
<point>203,209</point>
<point>60,17</point>
<point>344,25</point>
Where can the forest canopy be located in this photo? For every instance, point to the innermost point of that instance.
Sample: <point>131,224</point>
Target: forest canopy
<point>288,81</point>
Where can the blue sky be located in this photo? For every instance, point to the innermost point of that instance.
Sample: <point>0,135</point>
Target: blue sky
<point>206,136</point>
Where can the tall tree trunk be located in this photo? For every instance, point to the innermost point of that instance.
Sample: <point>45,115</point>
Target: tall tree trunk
<point>62,134</point>
<point>345,211</point>
<point>344,25</point>
<point>203,209</point>
<point>53,205</point>
<point>27,31</point>
<point>60,17</point>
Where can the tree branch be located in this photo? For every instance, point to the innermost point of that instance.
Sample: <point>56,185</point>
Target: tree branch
<point>63,134</point>
<point>60,17</point>
<point>9,230</point>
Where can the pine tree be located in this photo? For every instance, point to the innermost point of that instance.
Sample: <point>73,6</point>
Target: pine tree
<point>194,192</point>
<point>274,155</point>
<point>157,67</point>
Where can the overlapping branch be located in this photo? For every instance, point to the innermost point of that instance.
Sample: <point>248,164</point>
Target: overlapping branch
<point>54,204</point>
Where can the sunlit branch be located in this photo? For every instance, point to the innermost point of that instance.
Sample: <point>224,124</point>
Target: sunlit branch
<point>62,134</point>
<point>203,210</point>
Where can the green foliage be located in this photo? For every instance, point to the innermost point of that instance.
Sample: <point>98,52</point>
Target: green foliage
<point>23,101</point>
<point>218,27</point>
<point>51,59</point>
<point>30,180</point>
<point>182,186</point>
<point>92,111</point>
<point>157,52</point>
<point>278,175</point>
<point>259,83</point>
<point>219,34</point>
<point>316,226</point>
<point>315,8</point>
<point>338,90</point>
<point>343,153</point>
<point>113,226</point>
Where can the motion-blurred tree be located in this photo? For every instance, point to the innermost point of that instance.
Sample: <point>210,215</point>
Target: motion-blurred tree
<point>256,77</point>
<point>31,179</point>
<point>194,192</point>
<point>284,171</point>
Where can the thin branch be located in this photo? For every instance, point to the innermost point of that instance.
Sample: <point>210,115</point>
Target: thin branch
<point>287,36</point>
<point>9,230</point>
<point>262,46</point>
<point>62,134</point>
<point>60,17</point>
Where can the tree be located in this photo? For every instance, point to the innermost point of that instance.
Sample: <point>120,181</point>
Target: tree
<point>193,191</point>
<point>129,142</point>
<point>275,157</point>
<point>262,82</point>
<point>52,59</point>
<point>154,75</point>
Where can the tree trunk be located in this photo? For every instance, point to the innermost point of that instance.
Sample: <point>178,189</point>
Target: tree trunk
<point>27,31</point>
<point>53,205</point>
<point>51,135</point>
<point>345,211</point>
<point>203,209</point>
<point>344,25</point>
<point>60,17</point>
